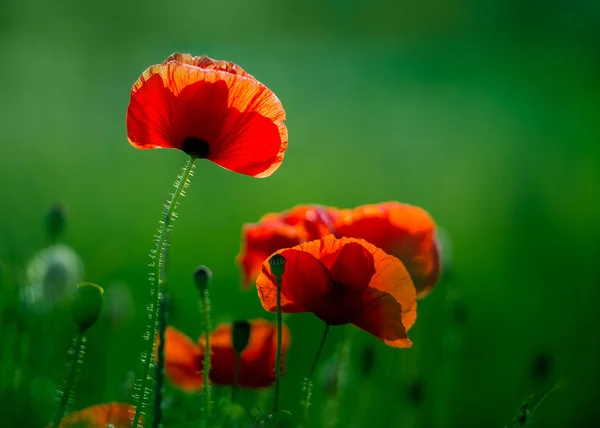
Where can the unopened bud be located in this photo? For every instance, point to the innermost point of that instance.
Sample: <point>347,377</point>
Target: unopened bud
<point>277,263</point>
<point>202,276</point>
<point>241,335</point>
<point>55,222</point>
<point>87,304</point>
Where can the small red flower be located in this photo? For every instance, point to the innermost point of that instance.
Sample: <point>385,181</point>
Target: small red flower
<point>404,231</point>
<point>118,415</point>
<point>208,109</point>
<point>275,231</point>
<point>345,281</point>
<point>184,359</point>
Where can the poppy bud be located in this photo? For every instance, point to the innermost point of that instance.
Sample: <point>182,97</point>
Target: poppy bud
<point>241,335</point>
<point>277,263</point>
<point>202,276</point>
<point>55,222</point>
<point>87,303</point>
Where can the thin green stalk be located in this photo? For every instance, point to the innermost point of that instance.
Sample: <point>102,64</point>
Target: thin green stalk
<point>207,352</point>
<point>307,387</point>
<point>157,283</point>
<point>76,359</point>
<point>278,357</point>
<point>236,376</point>
<point>159,372</point>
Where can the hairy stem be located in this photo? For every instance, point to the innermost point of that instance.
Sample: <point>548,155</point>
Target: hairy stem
<point>278,357</point>
<point>207,352</point>
<point>157,284</point>
<point>67,394</point>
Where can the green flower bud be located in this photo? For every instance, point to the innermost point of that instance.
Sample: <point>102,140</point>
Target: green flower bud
<point>202,277</point>
<point>241,335</point>
<point>87,303</point>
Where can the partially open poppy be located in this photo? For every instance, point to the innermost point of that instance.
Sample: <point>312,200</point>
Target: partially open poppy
<point>113,414</point>
<point>275,231</point>
<point>345,281</point>
<point>209,109</point>
<point>404,231</point>
<point>184,360</point>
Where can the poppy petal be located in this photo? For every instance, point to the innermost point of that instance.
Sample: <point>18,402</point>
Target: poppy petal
<point>208,63</point>
<point>182,361</point>
<point>114,414</point>
<point>261,240</point>
<point>404,231</point>
<point>304,280</point>
<point>258,359</point>
<point>275,231</point>
<point>382,316</point>
<point>354,266</point>
<point>392,277</point>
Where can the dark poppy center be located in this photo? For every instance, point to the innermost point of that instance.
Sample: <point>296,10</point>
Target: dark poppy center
<point>195,147</point>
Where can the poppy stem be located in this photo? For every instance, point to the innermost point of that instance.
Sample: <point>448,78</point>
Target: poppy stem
<point>206,369</point>
<point>158,284</point>
<point>159,372</point>
<point>67,394</point>
<point>318,355</point>
<point>279,340</point>
<point>307,386</point>
<point>236,376</point>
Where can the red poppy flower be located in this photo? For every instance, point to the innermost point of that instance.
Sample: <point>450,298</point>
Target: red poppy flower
<point>118,415</point>
<point>184,360</point>
<point>345,281</point>
<point>404,231</point>
<point>275,231</point>
<point>208,109</point>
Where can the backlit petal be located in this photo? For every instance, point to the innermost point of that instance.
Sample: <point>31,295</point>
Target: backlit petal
<point>118,415</point>
<point>182,361</point>
<point>404,231</point>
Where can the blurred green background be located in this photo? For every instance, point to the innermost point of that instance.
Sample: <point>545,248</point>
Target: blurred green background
<point>486,113</point>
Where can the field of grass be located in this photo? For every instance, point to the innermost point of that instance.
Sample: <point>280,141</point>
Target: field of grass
<point>485,115</point>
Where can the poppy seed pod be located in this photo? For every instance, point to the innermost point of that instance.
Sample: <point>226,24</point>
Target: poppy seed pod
<point>55,222</point>
<point>87,304</point>
<point>241,335</point>
<point>277,263</point>
<point>202,276</point>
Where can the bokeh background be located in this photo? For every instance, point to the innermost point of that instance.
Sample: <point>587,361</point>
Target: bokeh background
<point>486,113</point>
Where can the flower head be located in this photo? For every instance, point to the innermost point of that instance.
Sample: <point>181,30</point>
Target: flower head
<point>345,281</point>
<point>184,359</point>
<point>275,231</point>
<point>208,109</point>
<point>114,414</point>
